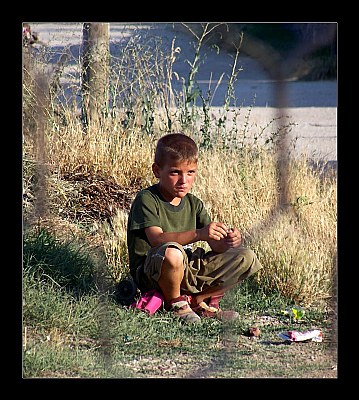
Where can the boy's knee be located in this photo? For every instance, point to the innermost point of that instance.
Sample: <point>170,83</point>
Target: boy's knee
<point>246,253</point>
<point>240,253</point>
<point>247,259</point>
<point>174,256</point>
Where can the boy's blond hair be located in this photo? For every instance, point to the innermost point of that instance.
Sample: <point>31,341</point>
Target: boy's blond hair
<point>176,147</point>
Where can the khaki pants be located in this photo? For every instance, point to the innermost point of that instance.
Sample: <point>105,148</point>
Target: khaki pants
<point>201,269</point>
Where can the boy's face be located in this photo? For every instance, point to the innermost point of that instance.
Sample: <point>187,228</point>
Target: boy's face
<point>175,179</point>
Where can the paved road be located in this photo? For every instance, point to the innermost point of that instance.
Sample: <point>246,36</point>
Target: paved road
<point>310,105</point>
<point>313,130</point>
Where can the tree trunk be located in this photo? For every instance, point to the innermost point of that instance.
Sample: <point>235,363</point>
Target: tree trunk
<point>95,72</point>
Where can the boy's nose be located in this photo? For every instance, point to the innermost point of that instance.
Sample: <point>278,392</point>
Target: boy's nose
<point>183,178</point>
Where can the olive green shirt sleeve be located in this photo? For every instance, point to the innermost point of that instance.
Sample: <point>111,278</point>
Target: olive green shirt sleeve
<point>145,211</point>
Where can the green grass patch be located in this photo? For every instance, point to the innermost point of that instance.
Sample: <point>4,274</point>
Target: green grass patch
<point>91,336</point>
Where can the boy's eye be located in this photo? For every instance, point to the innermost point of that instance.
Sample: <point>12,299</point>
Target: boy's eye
<point>177,172</point>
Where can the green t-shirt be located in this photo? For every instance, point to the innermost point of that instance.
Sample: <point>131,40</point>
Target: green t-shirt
<point>149,208</point>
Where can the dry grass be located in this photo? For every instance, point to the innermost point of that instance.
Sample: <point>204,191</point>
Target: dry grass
<point>238,187</point>
<point>296,247</point>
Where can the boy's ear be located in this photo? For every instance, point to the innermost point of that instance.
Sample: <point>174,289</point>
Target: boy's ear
<point>156,170</point>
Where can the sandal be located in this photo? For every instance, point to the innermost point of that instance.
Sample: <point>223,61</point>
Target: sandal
<point>180,308</point>
<point>212,310</point>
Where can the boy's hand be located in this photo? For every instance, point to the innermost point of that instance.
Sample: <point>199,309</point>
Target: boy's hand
<point>233,238</point>
<point>214,230</point>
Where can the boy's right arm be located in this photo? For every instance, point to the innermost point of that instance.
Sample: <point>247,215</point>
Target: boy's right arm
<point>213,231</point>
<point>156,236</point>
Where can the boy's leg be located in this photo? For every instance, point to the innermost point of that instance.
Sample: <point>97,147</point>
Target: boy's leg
<point>216,274</point>
<point>220,270</point>
<point>212,274</point>
<point>171,274</point>
<point>164,268</point>
<point>212,291</point>
<point>168,254</point>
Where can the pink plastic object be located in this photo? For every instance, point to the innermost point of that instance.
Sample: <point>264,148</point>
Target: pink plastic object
<point>315,335</point>
<point>149,302</point>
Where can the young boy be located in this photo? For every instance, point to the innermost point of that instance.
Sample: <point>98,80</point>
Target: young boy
<point>164,220</point>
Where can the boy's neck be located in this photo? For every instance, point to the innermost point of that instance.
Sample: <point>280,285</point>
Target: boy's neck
<point>175,201</point>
